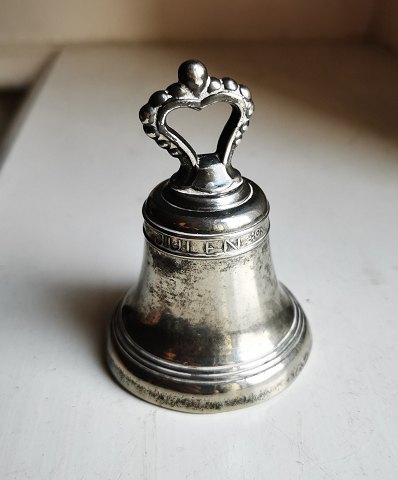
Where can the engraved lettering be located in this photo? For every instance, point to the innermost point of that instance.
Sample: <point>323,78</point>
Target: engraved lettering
<point>256,234</point>
<point>200,247</point>
<point>175,244</point>
<point>208,247</point>
<point>231,244</point>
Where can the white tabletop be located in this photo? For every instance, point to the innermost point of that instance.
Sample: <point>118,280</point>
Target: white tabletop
<point>323,145</point>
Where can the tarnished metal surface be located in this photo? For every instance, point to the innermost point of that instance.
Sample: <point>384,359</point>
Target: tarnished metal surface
<point>209,327</point>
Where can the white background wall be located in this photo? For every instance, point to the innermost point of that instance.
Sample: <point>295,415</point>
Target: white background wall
<point>31,29</point>
<point>63,21</point>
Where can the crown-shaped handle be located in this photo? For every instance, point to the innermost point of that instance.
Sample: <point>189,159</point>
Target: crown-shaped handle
<point>210,172</point>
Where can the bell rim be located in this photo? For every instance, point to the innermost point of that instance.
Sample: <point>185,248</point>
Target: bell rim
<point>236,391</point>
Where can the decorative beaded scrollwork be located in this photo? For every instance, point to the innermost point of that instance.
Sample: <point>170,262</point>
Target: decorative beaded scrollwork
<point>197,90</point>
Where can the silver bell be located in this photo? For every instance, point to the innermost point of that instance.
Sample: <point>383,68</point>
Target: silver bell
<point>209,327</point>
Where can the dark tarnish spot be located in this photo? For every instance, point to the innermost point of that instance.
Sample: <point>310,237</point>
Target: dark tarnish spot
<point>168,265</point>
<point>195,404</point>
<point>163,263</point>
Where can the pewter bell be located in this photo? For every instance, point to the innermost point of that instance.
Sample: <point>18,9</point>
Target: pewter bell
<point>209,327</point>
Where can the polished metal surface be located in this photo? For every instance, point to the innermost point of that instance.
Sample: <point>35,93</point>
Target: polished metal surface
<point>209,327</point>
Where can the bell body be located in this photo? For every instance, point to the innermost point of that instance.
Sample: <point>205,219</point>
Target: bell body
<point>209,327</point>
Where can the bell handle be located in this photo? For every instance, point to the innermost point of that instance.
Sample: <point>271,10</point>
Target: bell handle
<point>197,90</point>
